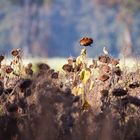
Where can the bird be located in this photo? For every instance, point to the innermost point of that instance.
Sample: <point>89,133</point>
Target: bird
<point>105,51</point>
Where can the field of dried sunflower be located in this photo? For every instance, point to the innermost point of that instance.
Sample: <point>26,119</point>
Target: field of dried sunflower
<point>84,101</point>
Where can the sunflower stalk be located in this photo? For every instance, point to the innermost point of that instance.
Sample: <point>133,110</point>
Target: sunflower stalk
<point>84,74</point>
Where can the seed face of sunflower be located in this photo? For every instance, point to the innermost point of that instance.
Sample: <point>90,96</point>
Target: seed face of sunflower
<point>86,41</point>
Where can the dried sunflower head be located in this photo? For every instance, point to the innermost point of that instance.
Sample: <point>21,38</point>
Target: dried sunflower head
<point>105,68</point>
<point>114,62</point>
<point>74,60</point>
<point>55,75</point>
<point>43,67</point>
<point>117,71</point>
<point>67,68</point>
<point>70,60</point>
<point>51,71</point>
<point>104,92</point>
<point>29,65</point>
<point>86,41</point>
<point>134,84</point>
<point>1,57</point>
<point>104,59</point>
<point>104,77</point>
<point>119,92</point>
<point>8,69</point>
<point>11,107</point>
<point>134,100</point>
<point>29,71</point>
<point>24,84</point>
<point>15,52</point>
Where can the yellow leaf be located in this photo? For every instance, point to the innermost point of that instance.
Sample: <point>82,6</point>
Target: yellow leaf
<point>82,74</point>
<point>85,75</point>
<point>75,90</point>
<point>80,90</point>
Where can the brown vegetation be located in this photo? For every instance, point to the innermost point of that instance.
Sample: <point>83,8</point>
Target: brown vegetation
<point>96,101</point>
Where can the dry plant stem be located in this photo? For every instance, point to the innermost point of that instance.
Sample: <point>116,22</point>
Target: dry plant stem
<point>5,81</point>
<point>84,95</point>
<point>124,62</point>
<point>14,89</point>
<point>137,62</point>
<point>75,75</point>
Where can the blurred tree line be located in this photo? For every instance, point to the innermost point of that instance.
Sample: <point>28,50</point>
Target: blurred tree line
<point>53,28</point>
<point>125,15</point>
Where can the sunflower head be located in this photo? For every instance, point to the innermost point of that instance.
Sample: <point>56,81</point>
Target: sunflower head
<point>1,57</point>
<point>8,69</point>
<point>15,52</point>
<point>86,41</point>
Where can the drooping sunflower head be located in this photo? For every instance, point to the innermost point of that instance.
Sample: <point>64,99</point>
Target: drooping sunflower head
<point>86,41</point>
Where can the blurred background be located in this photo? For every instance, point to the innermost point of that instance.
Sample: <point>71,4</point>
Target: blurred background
<point>52,28</point>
